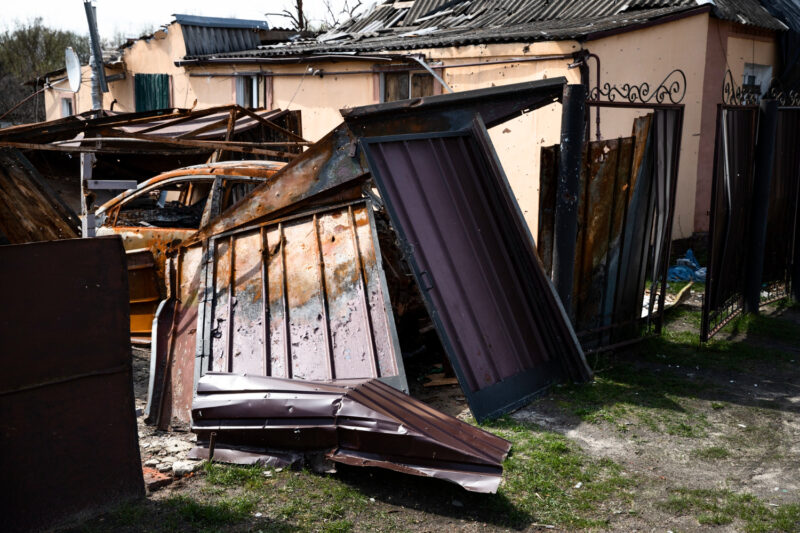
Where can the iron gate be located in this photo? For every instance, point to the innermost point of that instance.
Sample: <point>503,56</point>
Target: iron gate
<point>732,208</point>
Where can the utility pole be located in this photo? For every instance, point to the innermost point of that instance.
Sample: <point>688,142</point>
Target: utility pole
<point>99,86</point>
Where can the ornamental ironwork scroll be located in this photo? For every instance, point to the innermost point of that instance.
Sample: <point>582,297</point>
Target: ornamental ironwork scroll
<point>671,90</point>
<point>733,94</point>
<point>790,98</point>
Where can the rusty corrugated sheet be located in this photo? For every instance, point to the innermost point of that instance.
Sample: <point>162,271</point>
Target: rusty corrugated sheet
<point>328,164</point>
<point>473,257</point>
<point>29,210</point>
<point>67,420</point>
<point>357,422</point>
<point>173,353</point>
<point>624,213</point>
<point>308,301</point>
<point>301,298</point>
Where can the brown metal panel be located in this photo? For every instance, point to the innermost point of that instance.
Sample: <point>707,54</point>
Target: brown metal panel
<point>358,422</point>
<point>475,266</point>
<point>67,420</point>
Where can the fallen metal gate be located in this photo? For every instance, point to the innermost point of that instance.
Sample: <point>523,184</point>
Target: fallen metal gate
<point>303,298</point>
<point>472,255</point>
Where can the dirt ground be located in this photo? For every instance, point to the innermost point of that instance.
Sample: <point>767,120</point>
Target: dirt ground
<point>671,436</point>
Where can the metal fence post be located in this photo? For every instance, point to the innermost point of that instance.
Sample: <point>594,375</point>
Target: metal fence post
<point>765,151</point>
<point>565,234</point>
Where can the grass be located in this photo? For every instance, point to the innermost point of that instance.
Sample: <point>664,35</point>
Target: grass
<point>662,387</point>
<point>720,507</point>
<point>548,479</point>
<point>711,453</point>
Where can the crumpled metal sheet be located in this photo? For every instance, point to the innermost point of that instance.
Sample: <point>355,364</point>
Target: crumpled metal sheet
<point>356,422</point>
<point>67,420</point>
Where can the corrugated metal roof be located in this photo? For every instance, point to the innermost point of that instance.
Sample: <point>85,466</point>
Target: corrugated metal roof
<point>434,23</point>
<point>211,35</point>
<point>221,22</point>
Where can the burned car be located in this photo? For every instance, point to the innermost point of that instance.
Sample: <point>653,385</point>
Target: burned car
<point>163,211</point>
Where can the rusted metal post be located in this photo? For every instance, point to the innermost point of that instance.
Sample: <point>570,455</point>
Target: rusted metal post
<point>765,149</point>
<point>565,234</point>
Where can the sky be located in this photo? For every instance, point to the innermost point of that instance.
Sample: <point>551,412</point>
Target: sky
<point>134,17</point>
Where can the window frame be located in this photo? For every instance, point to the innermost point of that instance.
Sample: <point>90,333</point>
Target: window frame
<point>436,86</point>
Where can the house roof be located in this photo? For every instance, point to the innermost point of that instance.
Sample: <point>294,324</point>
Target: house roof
<point>220,22</point>
<point>213,35</point>
<point>410,24</point>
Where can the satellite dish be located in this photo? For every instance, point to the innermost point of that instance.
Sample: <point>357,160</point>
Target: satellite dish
<point>73,69</point>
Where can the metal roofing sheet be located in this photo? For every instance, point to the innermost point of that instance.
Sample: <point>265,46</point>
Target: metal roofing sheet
<point>456,22</point>
<point>472,255</point>
<point>221,22</point>
<point>301,298</point>
<point>358,422</point>
<point>207,39</point>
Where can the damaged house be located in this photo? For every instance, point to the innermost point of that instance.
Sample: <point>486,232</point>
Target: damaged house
<point>470,45</point>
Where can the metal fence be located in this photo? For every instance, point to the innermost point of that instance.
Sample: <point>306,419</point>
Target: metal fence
<point>732,213</point>
<point>624,219</point>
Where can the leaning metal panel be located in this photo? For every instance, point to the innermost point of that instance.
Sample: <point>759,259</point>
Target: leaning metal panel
<point>495,311</point>
<point>302,297</point>
<point>67,414</point>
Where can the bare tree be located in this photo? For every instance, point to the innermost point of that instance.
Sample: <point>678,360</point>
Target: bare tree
<point>26,52</point>
<point>337,16</point>
<point>297,17</point>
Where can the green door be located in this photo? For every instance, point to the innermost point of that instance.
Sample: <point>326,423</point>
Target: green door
<point>152,91</point>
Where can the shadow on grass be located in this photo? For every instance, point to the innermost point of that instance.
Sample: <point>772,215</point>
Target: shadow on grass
<point>433,496</point>
<point>184,514</point>
<point>752,362</point>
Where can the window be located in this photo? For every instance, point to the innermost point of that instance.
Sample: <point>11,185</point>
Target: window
<point>177,205</point>
<point>151,91</point>
<point>756,78</point>
<point>66,107</point>
<point>404,85</point>
<point>251,91</point>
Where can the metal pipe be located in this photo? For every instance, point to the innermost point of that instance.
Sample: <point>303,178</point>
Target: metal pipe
<point>322,72</point>
<point>765,149</point>
<point>438,78</point>
<point>565,235</point>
